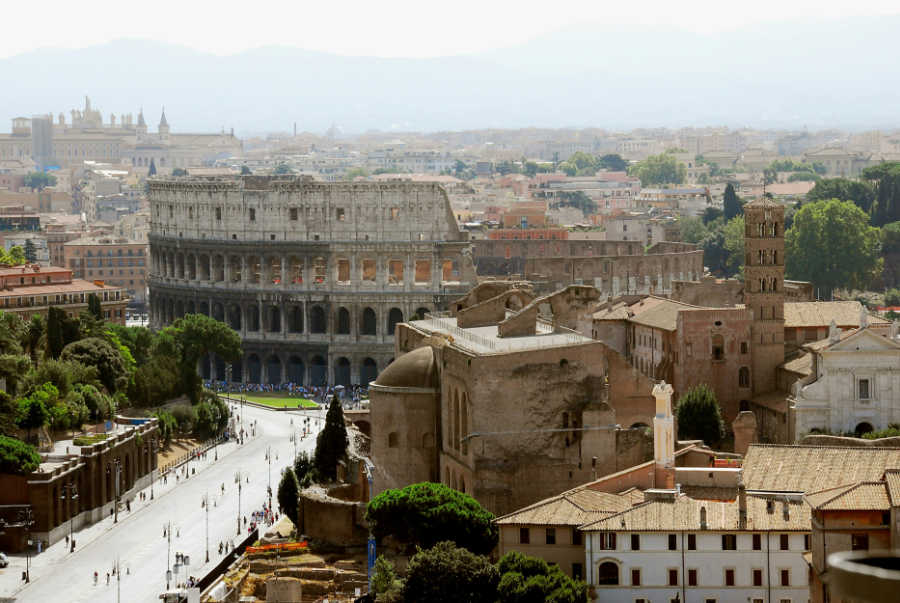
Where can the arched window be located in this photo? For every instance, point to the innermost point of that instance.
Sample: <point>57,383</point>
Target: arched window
<point>393,439</point>
<point>718,347</point>
<point>608,573</point>
<point>317,321</point>
<point>744,377</point>
<point>343,321</point>
<point>394,316</point>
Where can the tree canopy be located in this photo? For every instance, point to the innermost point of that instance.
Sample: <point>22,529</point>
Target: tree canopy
<point>331,443</point>
<point>446,573</point>
<point>288,494</point>
<point>427,513</point>
<point>195,335</point>
<point>860,192</point>
<point>104,356</point>
<point>39,180</point>
<point>525,579</point>
<point>832,244</point>
<point>17,457</point>
<point>732,205</point>
<point>659,169</point>
<point>699,416</point>
<point>14,257</point>
<point>885,179</point>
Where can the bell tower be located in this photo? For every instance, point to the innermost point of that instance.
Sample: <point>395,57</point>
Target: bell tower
<point>764,289</point>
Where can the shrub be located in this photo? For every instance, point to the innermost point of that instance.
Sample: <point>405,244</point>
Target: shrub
<point>525,579</point>
<point>289,494</point>
<point>428,513</point>
<point>446,573</point>
<point>99,353</point>
<point>699,416</point>
<point>17,457</point>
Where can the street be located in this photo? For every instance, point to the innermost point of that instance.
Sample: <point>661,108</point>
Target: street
<point>137,540</point>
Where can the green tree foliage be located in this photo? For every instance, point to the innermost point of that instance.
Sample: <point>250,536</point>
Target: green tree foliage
<point>832,244</point>
<point>167,426</point>
<point>289,494</point>
<point>331,444</point>
<point>152,171</point>
<point>892,297</point>
<point>246,171</point>
<point>138,340</point>
<point>448,574</point>
<point>30,251</point>
<point>885,179</point>
<point>733,232</point>
<point>427,513</point>
<point>699,416</point>
<point>613,162</point>
<point>104,356</point>
<point>386,585</point>
<point>710,215</point>
<point>179,172</point>
<point>194,336</point>
<point>525,579</point>
<point>577,199</point>
<point>9,413</point>
<point>17,457</point>
<point>304,469</point>
<point>860,192</point>
<point>94,306</point>
<point>64,375</point>
<point>39,180</point>
<point>659,169</point>
<point>732,204</point>
<point>61,331</point>
<point>212,418</point>
<point>32,413</point>
<point>357,172</point>
<point>693,230</point>
<point>282,169</point>
<point>34,336</point>
<point>14,257</point>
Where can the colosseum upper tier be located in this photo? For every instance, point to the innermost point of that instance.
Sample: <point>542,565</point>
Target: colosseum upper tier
<point>313,275</point>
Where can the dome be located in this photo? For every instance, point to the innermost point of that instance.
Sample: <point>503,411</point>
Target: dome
<point>413,369</point>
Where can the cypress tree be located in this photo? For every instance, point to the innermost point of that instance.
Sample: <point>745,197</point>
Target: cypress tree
<point>55,336</point>
<point>331,445</point>
<point>152,170</point>
<point>94,306</point>
<point>732,205</point>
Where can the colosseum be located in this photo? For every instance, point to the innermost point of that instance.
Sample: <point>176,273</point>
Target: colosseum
<point>314,276</point>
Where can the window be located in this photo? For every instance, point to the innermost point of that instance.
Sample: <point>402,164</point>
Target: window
<point>395,272</point>
<point>524,536</point>
<point>394,213</point>
<point>673,577</point>
<point>692,542</point>
<point>757,542</point>
<point>784,542</point>
<point>608,542</point>
<point>863,389</point>
<point>859,542</point>
<point>757,577</point>
<point>608,574</point>
<point>806,542</point>
<point>744,347</point>
<point>784,601</point>
<point>576,536</point>
<point>744,377</point>
<point>218,213</point>
<point>635,577</point>
<point>635,542</point>
<point>393,439</point>
<point>340,214</point>
<point>343,270</point>
<point>729,577</point>
<point>718,347</point>
<point>757,601</point>
<point>551,536</point>
<point>294,214</point>
<point>692,577</point>
<point>785,577</point>
<point>673,542</point>
<point>709,601</point>
<point>252,215</point>
<point>729,542</point>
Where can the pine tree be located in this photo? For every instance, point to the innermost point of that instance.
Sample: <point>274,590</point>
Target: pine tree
<point>331,445</point>
<point>30,251</point>
<point>732,204</point>
<point>55,336</point>
<point>699,416</point>
<point>152,170</point>
<point>94,306</point>
<point>288,494</point>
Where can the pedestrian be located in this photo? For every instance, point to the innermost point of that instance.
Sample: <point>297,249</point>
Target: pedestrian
<point>67,540</point>
<point>95,578</point>
<point>107,578</point>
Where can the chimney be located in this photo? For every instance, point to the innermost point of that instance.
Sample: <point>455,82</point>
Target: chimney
<point>742,505</point>
<point>664,436</point>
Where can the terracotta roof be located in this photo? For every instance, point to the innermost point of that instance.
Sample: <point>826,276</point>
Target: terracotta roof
<point>892,481</point>
<point>683,513</point>
<point>795,468</point>
<point>709,492</point>
<point>75,286</point>
<point>634,495</point>
<point>571,508</point>
<point>658,313</point>
<point>820,314</point>
<point>863,496</point>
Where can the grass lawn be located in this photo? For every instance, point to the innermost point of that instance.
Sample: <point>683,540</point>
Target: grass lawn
<point>278,401</point>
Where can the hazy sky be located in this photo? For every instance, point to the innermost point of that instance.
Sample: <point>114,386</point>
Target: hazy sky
<point>393,28</point>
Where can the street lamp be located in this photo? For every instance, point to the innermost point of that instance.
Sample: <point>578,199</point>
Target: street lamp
<point>150,449</point>
<point>70,492</point>
<point>269,458</point>
<point>206,506</point>
<point>238,478</point>
<point>26,520</point>
<point>168,531</point>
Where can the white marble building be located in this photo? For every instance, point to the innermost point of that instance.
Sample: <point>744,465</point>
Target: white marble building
<point>854,385</point>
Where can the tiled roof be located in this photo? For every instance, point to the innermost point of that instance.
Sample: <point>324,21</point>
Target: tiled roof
<point>820,314</point>
<point>892,481</point>
<point>710,492</point>
<point>658,313</point>
<point>571,508</point>
<point>794,468</point>
<point>863,496</point>
<point>683,513</point>
<point>801,364</point>
<point>634,495</point>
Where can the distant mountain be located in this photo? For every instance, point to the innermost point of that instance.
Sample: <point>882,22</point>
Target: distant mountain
<point>802,73</point>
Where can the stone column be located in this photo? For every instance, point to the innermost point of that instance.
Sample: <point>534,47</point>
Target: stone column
<point>226,268</point>
<point>245,272</point>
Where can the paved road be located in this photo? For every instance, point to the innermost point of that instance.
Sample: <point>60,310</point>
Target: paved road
<point>138,537</point>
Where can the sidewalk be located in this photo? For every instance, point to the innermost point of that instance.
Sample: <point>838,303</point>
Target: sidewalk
<point>11,577</point>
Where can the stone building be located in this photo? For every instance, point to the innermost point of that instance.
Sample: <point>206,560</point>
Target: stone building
<point>509,407</point>
<point>118,261</point>
<point>613,267</point>
<point>314,276</point>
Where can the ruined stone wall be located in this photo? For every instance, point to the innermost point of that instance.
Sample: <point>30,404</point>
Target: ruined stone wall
<point>314,276</point>
<point>709,292</point>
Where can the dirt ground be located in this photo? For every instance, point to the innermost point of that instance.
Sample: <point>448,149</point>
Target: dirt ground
<point>177,449</point>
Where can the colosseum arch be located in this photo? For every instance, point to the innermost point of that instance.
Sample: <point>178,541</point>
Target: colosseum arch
<point>179,265</point>
<point>318,322</point>
<point>420,313</point>
<point>295,318</point>
<point>273,270</point>
<point>368,372</point>
<point>203,308</point>
<point>234,317</point>
<point>395,316</point>
<point>273,369</point>
<point>295,270</point>
<point>179,309</point>
<point>253,317</point>
<point>342,371</point>
<point>191,308</point>
<point>237,372</point>
<point>255,269</point>
<point>273,319</point>
<point>219,365</point>
<point>296,370</point>
<point>235,268</point>
<point>342,326</point>
<point>218,312</point>
<point>254,369</point>
<point>218,268</point>
<point>318,370</point>
<point>368,322</point>
<point>191,267</point>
